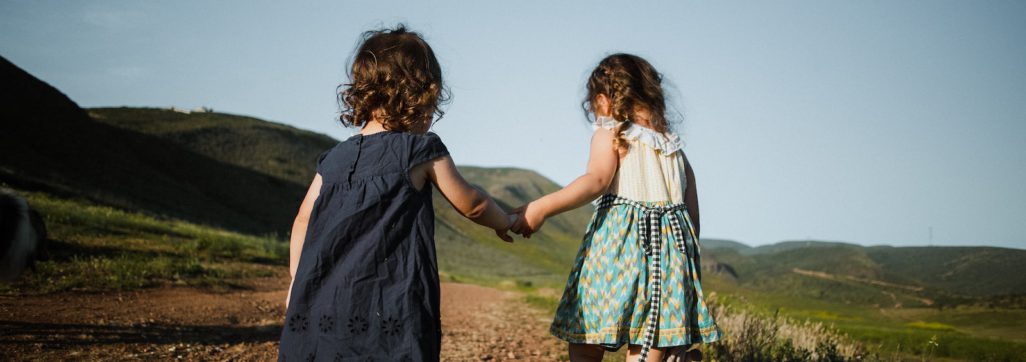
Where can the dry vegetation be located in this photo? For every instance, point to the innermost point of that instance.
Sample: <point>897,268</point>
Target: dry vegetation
<point>752,337</point>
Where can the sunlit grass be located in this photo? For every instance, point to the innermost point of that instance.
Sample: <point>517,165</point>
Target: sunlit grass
<point>930,326</point>
<point>98,248</point>
<point>894,333</point>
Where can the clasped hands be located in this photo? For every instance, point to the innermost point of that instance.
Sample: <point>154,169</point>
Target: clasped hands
<point>524,221</point>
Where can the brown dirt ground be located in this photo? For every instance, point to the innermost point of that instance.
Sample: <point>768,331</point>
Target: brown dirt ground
<point>193,324</point>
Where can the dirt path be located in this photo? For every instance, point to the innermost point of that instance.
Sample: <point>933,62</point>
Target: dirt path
<point>183,323</point>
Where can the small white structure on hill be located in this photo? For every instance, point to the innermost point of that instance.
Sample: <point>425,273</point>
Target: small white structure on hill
<point>200,109</point>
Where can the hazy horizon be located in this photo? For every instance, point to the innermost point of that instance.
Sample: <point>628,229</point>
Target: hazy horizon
<point>864,122</point>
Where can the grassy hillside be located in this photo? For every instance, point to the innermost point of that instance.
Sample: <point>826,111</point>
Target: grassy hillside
<point>956,273</point>
<point>97,248</point>
<point>270,148</point>
<point>466,251</point>
<point>48,143</point>
<point>470,251</point>
<point>724,244</point>
<point>953,302</point>
<point>235,172</point>
<point>973,271</point>
<point>791,245</point>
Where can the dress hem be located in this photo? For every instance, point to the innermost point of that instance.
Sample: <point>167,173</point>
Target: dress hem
<point>608,337</point>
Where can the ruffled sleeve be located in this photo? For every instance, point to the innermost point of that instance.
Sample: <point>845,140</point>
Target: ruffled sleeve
<point>666,143</point>
<point>605,122</point>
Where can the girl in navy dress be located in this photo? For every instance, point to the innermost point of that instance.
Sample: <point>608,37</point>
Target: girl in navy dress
<point>364,274</point>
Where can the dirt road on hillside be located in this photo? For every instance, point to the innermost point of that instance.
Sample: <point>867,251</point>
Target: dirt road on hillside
<point>185,323</point>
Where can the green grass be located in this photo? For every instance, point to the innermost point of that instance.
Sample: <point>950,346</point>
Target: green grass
<point>98,248</point>
<point>930,326</point>
<point>965,333</point>
<point>541,302</point>
<point>888,340</point>
<point>271,148</point>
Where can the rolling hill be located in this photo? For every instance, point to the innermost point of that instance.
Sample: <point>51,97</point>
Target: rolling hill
<point>880,275</point>
<point>466,251</point>
<point>274,149</point>
<point>238,173</point>
<point>48,143</point>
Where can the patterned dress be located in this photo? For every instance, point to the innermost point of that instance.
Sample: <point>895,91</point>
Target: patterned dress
<point>637,277</point>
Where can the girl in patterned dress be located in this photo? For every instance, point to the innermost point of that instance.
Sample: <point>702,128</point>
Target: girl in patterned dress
<point>636,279</point>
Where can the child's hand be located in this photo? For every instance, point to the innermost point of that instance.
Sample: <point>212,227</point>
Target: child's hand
<point>529,221</point>
<point>502,233</point>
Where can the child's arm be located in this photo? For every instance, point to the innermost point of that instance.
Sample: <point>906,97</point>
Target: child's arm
<point>601,168</point>
<point>691,195</point>
<point>299,230</point>
<point>471,202</point>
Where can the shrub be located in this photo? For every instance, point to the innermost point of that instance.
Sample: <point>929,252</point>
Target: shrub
<point>751,337</point>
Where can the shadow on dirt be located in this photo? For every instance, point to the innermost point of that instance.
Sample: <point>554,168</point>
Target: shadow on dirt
<point>54,335</point>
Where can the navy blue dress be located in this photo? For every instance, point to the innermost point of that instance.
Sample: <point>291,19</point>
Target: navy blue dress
<point>367,284</point>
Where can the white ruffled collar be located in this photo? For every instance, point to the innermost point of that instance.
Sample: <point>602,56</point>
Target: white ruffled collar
<point>667,143</point>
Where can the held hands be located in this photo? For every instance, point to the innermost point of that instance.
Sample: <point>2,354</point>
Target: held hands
<point>503,233</point>
<point>529,219</point>
<point>524,220</point>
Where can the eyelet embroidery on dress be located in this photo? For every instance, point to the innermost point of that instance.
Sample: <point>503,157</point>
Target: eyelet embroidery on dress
<point>358,325</point>
<point>391,326</point>
<point>298,323</point>
<point>326,323</point>
<point>338,357</point>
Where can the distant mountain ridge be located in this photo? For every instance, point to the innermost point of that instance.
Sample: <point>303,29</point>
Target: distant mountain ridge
<point>933,272</point>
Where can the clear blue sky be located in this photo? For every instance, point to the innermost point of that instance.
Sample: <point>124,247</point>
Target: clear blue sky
<point>858,121</point>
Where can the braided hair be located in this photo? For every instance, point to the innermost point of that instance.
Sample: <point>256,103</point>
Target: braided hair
<point>631,84</point>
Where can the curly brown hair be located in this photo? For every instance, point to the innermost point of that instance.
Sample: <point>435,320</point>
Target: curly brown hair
<point>631,84</point>
<point>394,78</point>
